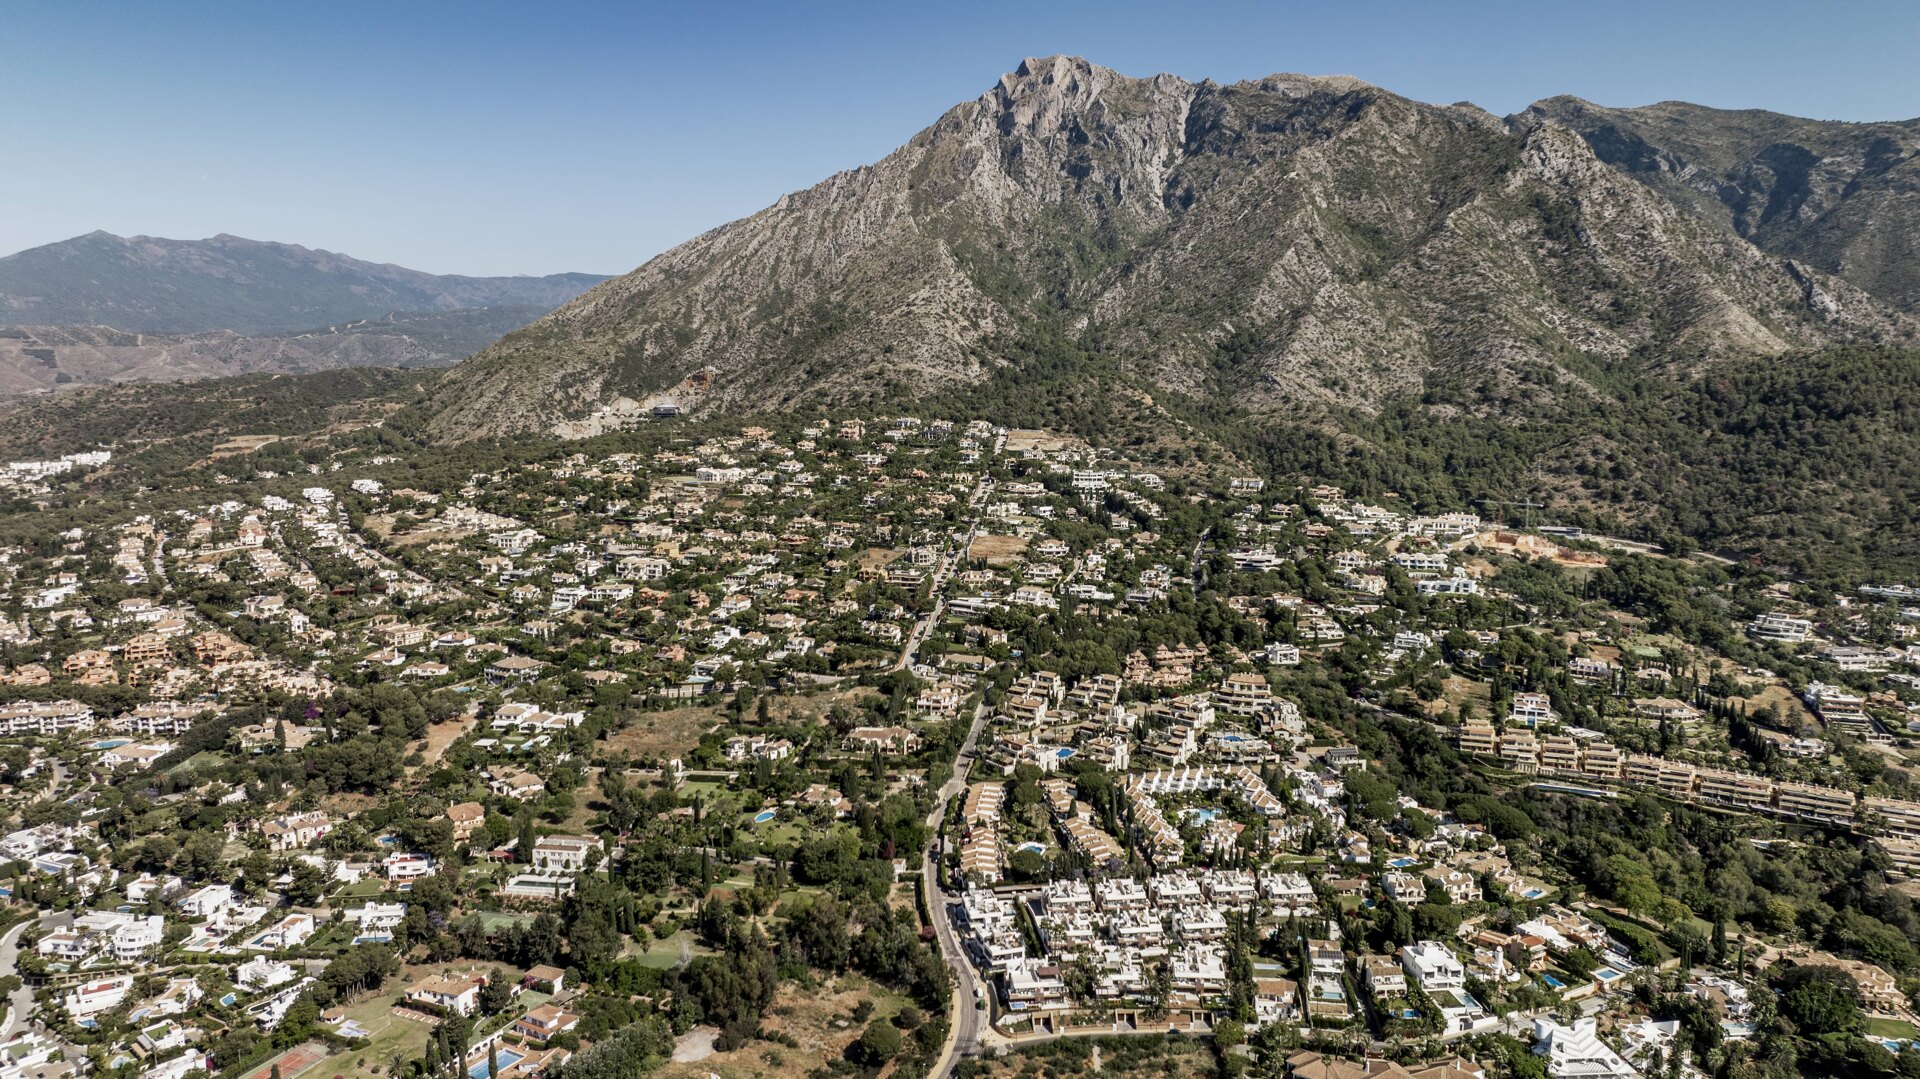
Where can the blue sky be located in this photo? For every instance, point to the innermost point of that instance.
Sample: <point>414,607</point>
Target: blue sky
<point>539,137</point>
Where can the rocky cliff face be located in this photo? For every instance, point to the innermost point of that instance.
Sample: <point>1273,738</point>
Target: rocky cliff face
<point>1841,197</point>
<point>1288,244</point>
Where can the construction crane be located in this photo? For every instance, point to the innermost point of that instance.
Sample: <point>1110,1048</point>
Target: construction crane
<point>1529,506</point>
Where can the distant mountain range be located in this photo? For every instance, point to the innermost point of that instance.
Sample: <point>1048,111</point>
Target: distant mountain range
<point>101,307</point>
<point>1289,247</point>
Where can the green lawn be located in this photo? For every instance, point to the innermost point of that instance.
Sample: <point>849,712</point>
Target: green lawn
<point>202,760</point>
<point>494,919</point>
<point>666,954</point>
<point>1891,1028</point>
<point>393,1038</point>
<point>779,833</point>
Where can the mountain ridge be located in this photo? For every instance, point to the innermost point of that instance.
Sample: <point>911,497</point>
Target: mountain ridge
<point>45,358</point>
<point>146,284</point>
<point>1841,196</point>
<point>1290,243</point>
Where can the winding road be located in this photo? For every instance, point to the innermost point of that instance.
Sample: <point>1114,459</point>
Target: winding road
<point>20,1001</point>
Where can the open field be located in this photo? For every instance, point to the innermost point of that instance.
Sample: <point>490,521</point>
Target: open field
<point>1465,696</point>
<point>1021,440</point>
<point>1792,709</point>
<point>671,952</point>
<point>240,444</point>
<point>819,1018</point>
<point>874,558</point>
<point>657,734</point>
<point>392,1037</point>
<point>811,708</point>
<point>440,736</point>
<point>997,550</point>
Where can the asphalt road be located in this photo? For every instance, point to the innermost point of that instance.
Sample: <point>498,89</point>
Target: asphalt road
<point>968,1019</point>
<point>949,563</point>
<point>20,1001</point>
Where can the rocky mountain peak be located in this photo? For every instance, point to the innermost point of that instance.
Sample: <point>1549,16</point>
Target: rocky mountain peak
<point>1287,243</point>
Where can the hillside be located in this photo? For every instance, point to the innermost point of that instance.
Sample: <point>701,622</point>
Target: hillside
<point>1842,197</point>
<point>145,284</point>
<point>157,429</point>
<point>1293,246</point>
<point>40,358</point>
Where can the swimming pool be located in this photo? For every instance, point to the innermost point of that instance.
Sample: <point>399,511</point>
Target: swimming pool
<point>112,743</point>
<point>1037,848</point>
<point>765,815</point>
<point>1230,739</point>
<point>1553,982</point>
<point>1400,863</point>
<point>1204,816</point>
<point>507,1057</point>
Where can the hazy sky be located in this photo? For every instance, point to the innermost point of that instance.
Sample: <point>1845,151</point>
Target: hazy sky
<point>538,137</point>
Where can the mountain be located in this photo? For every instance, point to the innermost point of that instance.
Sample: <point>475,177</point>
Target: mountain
<point>144,284</point>
<point>160,430</point>
<point>1841,197</point>
<point>1289,247</point>
<point>40,358</point>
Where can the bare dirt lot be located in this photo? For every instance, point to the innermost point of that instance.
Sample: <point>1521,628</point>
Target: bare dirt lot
<point>1792,710</point>
<point>997,550</point>
<point>1022,440</point>
<point>240,444</point>
<point>821,1019</point>
<point>655,734</point>
<point>441,735</point>
<point>876,557</point>
<point>811,708</point>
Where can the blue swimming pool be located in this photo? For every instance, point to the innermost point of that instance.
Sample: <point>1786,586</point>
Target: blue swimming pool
<point>507,1057</point>
<point>1204,816</point>
<point>1037,848</point>
<point>765,815</point>
<point>112,743</point>
<point>1400,863</point>
<point>1553,982</point>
